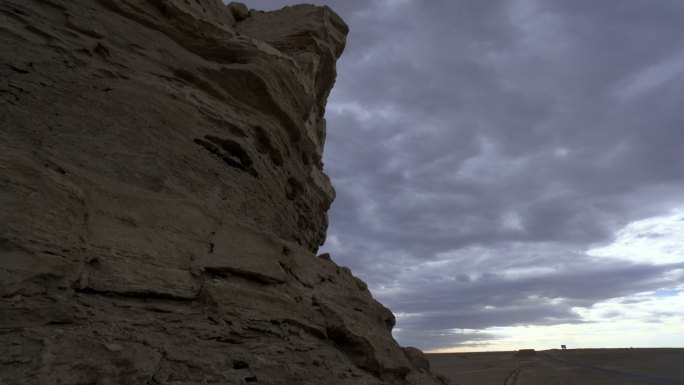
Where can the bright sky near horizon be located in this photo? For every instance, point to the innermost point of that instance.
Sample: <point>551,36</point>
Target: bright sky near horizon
<point>646,319</point>
<point>510,173</point>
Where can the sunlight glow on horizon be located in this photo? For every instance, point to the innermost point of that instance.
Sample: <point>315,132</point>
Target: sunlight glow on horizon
<point>642,324</point>
<point>652,319</point>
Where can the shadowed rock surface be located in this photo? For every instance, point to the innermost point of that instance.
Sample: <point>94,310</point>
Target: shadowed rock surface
<point>163,198</point>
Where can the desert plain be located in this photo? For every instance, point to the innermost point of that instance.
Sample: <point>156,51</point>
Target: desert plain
<point>657,366</point>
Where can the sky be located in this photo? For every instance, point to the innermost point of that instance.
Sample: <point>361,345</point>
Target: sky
<point>510,173</point>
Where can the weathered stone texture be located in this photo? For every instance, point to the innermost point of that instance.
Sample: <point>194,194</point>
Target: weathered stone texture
<point>162,198</point>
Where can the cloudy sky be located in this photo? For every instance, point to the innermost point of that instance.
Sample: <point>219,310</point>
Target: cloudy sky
<point>510,173</point>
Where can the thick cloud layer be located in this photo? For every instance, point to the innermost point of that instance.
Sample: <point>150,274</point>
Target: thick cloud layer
<point>480,149</point>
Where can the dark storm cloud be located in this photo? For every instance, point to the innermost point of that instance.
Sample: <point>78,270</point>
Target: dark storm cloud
<point>480,148</point>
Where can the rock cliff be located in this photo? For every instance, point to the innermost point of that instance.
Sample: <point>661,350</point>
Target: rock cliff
<point>162,200</point>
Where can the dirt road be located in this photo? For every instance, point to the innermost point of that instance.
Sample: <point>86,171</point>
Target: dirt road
<point>568,367</point>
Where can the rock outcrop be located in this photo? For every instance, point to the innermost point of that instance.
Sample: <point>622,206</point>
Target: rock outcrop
<point>162,200</point>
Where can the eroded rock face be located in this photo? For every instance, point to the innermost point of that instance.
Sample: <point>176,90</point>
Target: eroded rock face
<point>163,197</point>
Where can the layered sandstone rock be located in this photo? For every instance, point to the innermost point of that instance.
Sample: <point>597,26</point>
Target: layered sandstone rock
<point>163,197</point>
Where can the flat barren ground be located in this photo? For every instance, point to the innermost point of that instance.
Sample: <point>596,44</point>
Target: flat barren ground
<point>564,367</point>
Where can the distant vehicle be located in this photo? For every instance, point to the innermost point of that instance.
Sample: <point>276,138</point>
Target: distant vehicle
<point>526,353</point>
<point>563,347</point>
